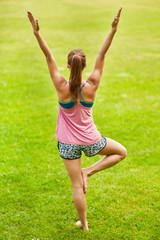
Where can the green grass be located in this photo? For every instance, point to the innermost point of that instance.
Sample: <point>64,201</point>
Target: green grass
<point>36,193</point>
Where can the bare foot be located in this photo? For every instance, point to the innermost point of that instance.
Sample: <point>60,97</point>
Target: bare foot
<point>78,223</point>
<point>85,179</point>
<point>85,228</point>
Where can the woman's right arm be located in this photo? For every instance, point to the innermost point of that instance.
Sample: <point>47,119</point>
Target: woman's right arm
<point>95,77</point>
<point>58,80</point>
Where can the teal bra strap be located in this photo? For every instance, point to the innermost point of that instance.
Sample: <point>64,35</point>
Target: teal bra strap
<point>81,91</point>
<point>82,96</point>
<point>67,105</point>
<point>71,103</point>
<point>83,86</point>
<point>84,103</point>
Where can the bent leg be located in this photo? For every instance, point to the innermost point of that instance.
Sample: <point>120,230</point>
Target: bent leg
<point>113,147</point>
<point>114,152</point>
<point>73,168</point>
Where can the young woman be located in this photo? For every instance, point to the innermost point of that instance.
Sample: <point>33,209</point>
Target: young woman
<point>76,131</point>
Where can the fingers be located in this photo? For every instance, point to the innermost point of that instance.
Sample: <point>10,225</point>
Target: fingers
<point>115,21</point>
<point>116,18</point>
<point>119,12</point>
<point>30,16</point>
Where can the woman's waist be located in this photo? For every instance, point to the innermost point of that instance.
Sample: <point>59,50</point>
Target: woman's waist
<point>76,137</point>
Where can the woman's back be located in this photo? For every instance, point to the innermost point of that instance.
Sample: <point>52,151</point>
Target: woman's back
<point>75,122</point>
<point>89,92</point>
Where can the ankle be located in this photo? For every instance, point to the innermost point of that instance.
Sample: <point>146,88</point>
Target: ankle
<point>85,227</point>
<point>90,172</point>
<point>87,172</point>
<point>84,224</point>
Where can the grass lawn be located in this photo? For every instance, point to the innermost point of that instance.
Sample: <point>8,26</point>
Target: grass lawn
<point>36,193</point>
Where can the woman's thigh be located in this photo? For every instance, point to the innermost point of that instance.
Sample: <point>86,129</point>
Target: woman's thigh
<point>113,147</point>
<point>73,168</point>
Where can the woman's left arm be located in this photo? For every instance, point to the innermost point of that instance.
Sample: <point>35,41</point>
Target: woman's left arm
<point>58,80</point>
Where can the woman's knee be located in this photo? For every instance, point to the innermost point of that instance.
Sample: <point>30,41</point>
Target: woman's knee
<point>77,182</point>
<point>123,153</point>
<point>77,188</point>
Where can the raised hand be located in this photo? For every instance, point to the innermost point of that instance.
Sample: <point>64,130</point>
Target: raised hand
<point>34,22</point>
<point>116,20</point>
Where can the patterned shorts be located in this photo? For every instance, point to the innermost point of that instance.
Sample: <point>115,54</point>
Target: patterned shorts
<point>72,151</point>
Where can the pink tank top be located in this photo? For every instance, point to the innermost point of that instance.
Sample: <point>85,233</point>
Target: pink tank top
<point>75,125</point>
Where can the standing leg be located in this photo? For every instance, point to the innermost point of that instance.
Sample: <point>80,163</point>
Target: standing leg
<point>114,152</point>
<point>74,170</point>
